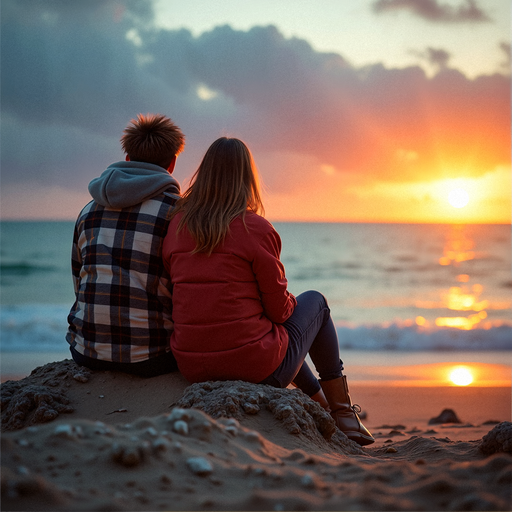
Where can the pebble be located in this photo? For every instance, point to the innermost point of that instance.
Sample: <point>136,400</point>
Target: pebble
<point>161,445</point>
<point>307,481</point>
<point>230,429</point>
<point>180,427</point>
<point>152,431</point>
<point>178,414</point>
<point>253,436</point>
<point>69,431</point>
<point>199,466</point>
<point>80,377</point>
<point>177,447</point>
<point>391,450</point>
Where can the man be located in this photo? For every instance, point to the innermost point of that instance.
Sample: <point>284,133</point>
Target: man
<point>122,316</point>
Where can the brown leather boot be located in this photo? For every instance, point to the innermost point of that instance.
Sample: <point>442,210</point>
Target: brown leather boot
<point>344,413</point>
<point>321,399</point>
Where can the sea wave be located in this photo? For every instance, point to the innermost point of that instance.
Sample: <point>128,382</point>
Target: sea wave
<point>23,268</point>
<point>414,338</point>
<point>42,328</point>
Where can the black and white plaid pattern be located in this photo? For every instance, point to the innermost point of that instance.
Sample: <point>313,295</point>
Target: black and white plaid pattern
<point>123,307</point>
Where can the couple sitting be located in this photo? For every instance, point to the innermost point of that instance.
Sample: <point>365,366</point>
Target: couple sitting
<point>194,282</point>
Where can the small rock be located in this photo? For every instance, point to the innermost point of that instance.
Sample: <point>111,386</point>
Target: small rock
<point>161,445</point>
<point>391,450</point>
<point>68,431</point>
<point>447,416</point>
<point>178,414</point>
<point>231,430</point>
<point>82,376</point>
<point>152,431</point>
<point>180,427</point>
<point>127,456</point>
<point>253,436</point>
<point>177,447</point>
<point>199,466</point>
<point>308,481</point>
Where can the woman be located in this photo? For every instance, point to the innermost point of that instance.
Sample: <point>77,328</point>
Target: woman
<point>233,315</point>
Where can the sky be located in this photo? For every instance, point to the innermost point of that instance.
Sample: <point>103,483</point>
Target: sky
<point>367,111</point>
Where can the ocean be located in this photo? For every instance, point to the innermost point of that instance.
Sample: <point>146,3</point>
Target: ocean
<point>393,289</point>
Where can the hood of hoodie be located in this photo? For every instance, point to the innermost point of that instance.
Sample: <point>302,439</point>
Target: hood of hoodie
<point>125,184</point>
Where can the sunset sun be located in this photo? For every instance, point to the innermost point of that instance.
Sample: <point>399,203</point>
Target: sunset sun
<point>458,197</point>
<point>461,376</point>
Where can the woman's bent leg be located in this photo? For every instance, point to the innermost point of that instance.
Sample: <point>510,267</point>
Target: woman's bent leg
<point>312,330</point>
<point>310,325</point>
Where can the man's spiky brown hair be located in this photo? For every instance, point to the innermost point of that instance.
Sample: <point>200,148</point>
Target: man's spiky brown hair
<point>152,138</point>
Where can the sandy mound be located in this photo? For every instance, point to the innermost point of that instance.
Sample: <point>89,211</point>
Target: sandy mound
<point>86,394</point>
<point>272,411</point>
<point>144,444</point>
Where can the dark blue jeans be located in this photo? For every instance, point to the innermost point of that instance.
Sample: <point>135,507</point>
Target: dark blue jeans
<point>159,365</point>
<point>310,329</point>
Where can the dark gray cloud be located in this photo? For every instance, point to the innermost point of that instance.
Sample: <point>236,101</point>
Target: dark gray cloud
<point>506,49</point>
<point>71,83</point>
<point>432,10</point>
<point>436,57</point>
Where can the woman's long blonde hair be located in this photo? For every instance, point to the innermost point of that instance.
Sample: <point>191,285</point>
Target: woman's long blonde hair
<point>225,185</point>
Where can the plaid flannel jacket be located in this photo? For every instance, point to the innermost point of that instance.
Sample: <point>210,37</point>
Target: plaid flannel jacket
<point>123,306</point>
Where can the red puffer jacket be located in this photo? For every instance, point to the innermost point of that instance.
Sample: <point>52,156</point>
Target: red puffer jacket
<point>228,307</point>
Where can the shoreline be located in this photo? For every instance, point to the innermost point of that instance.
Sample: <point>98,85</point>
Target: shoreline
<point>363,366</point>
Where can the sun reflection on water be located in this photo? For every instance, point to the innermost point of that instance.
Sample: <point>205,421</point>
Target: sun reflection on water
<point>464,297</point>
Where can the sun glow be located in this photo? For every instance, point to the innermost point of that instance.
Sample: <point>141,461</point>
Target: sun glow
<point>458,197</point>
<point>461,376</point>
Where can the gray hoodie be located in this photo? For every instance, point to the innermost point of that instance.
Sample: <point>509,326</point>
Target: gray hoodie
<point>125,184</point>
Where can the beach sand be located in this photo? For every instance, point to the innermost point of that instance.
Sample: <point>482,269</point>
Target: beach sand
<point>73,439</point>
